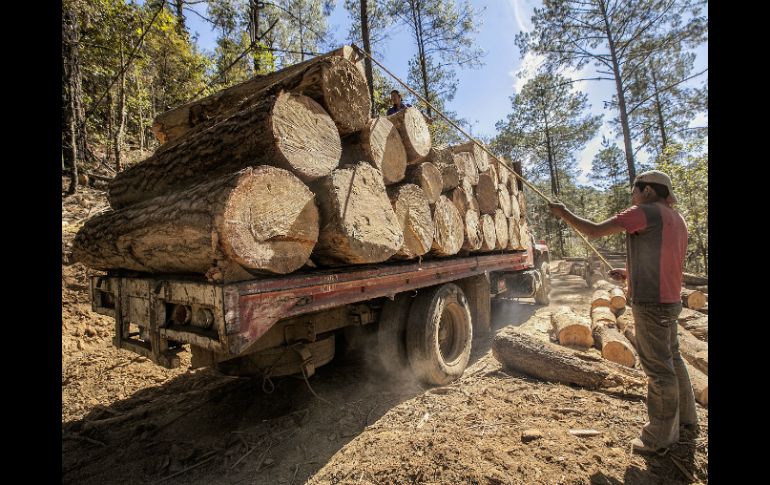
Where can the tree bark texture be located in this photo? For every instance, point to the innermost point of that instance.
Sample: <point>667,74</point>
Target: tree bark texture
<point>614,346</point>
<point>699,327</point>
<point>332,81</point>
<point>600,298</point>
<point>414,133</point>
<point>289,131</point>
<point>571,329</point>
<point>379,144</point>
<point>260,219</point>
<point>449,235</point>
<point>358,224</point>
<point>694,351</point>
<point>700,385</point>
<point>694,279</point>
<point>546,361</point>
<point>428,177</point>
<point>415,218</point>
<point>602,315</point>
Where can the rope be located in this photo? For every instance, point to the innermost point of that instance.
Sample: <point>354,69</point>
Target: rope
<point>478,144</point>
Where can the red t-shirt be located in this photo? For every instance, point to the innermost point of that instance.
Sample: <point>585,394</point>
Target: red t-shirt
<point>656,246</point>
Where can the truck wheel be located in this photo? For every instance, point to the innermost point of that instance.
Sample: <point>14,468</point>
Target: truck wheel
<point>542,296</point>
<point>391,334</point>
<point>439,334</point>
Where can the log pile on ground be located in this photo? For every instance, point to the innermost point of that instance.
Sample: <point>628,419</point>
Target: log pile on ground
<point>288,171</point>
<point>693,299</point>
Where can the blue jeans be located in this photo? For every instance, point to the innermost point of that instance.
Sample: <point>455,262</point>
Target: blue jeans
<point>670,399</point>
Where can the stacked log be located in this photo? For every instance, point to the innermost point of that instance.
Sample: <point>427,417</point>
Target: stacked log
<point>379,144</point>
<point>693,299</point>
<point>473,235</point>
<point>617,299</point>
<point>476,154</point>
<point>486,192</point>
<point>502,230</point>
<point>489,232</point>
<point>600,298</point>
<point>428,177</point>
<point>414,217</point>
<point>414,133</point>
<point>449,233</point>
<point>614,346</point>
<point>571,329</point>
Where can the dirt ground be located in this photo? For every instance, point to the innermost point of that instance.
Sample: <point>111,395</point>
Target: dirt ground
<point>125,420</point>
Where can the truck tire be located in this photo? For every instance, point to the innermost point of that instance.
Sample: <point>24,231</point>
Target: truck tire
<point>439,334</point>
<point>391,334</point>
<point>542,296</point>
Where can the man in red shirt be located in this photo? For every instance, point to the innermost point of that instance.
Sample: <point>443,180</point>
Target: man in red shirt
<point>656,244</point>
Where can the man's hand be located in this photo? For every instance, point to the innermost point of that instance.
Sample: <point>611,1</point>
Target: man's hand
<point>618,274</point>
<point>557,208</point>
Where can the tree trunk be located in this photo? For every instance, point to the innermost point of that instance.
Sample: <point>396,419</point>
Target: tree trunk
<point>479,156</point>
<point>693,350</point>
<point>489,232</point>
<point>180,21</point>
<point>571,329</point>
<point>358,224</point>
<point>614,346</point>
<point>522,203</point>
<point>254,31</point>
<point>513,234</point>
<point>533,356</point>
<point>463,198</point>
<point>473,235</point>
<point>260,219</point>
<point>118,142</point>
<point>334,82</point>
<point>486,193</point>
<point>379,144</point>
<point>502,231</point>
<point>414,217</point>
<point>693,299</point>
<point>658,109</point>
<point>414,133</point>
<point>367,49</point>
<point>74,142</point>
<point>449,234</point>
<point>428,177</point>
<point>288,130</point>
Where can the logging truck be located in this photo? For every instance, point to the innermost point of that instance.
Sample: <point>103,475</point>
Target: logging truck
<point>422,315</point>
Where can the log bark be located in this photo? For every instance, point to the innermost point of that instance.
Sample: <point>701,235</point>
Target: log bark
<point>449,234</point>
<point>428,177</point>
<point>571,329</point>
<point>530,355</point>
<point>332,81</point>
<point>602,315</point>
<point>379,144</point>
<point>698,327</point>
<point>600,298</point>
<point>617,298</point>
<point>414,217</point>
<point>467,167</point>
<point>358,224</point>
<point>288,131</point>
<point>260,219</point>
<point>693,350</point>
<point>625,320</point>
<point>504,201</point>
<point>479,156</point>
<point>489,232</point>
<point>473,235</point>
<point>502,231</point>
<point>614,346</point>
<point>414,133</point>
<point>694,279</point>
<point>513,233</point>
<point>700,385</point>
<point>693,299</point>
<point>464,199</point>
<point>486,193</point>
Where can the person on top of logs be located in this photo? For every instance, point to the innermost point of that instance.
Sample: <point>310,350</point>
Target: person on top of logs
<point>398,104</point>
<point>657,243</point>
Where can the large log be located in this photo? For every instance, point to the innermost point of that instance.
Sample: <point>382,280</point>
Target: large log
<point>504,201</point>
<point>502,231</point>
<point>625,320</point>
<point>288,131</point>
<point>479,156</point>
<point>522,203</point>
<point>693,299</point>
<point>600,298</point>
<point>443,159</point>
<point>467,167</point>
<point>525,242</point>
<point>697,326</point>
<point>414,133</point>
<point>531,355</point>
<point>700,385</point>
<point>358,224</point>
<point>694,279</point>
<point>571,329</point>
<point>693,350</point>
<point>449,234</point>
<point>464,199</point>
<point>332,81</point>
<point>473,235</point>
<point>602,315</point>
<point>489,233</point>
<point>379,144</point>
<point>428,177</point>
<point>515,211</point>
<point>415,218</point>
<point>617,299</point>
<point>513,233</point>
<point>260,219</point>
<point>486,192</point>
<point>502,173</point>
<point>614,346</point>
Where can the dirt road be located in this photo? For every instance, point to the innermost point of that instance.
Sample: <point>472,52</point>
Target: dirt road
<point>126,420</point>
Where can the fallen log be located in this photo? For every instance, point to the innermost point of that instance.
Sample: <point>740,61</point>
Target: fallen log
<point>699,327</point>
<point>473,236</point>
<point>332,81</point>
<point>479,156</point>
<point>700,385</point>
<point>502,231</point>
<point>617,299</point>
<point>541,359</point>
<point>489,232</point>
<point>625,320</point>
<point>602,315</point>
<point>571,329</point>
<point>486,192</point>
<point>449,234</point>
<point>600,298</point>
<point>414,133</point>
<point>289,131</point>
<point>414,217</point>
<point>379,144</point>
<point>428,177</point>
<point>358,224</point>
<point>614,346</point>
<point>693,350</point>
<point>693,299</point>
<point>694,279</point>
<point>260,219</point>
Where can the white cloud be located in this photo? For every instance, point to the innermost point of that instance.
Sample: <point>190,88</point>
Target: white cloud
<point>526,70</point>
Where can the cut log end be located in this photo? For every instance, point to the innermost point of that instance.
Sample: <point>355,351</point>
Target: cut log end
<point>415,218</point>
<point>489,232</point>
<point>414,133</point>
<point>449,234</point>
<point>345,94</point>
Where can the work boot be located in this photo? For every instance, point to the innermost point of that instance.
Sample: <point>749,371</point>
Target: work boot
<point>638,446</point>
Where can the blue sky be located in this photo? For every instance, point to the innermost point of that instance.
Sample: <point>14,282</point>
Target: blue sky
<point>483,95</point>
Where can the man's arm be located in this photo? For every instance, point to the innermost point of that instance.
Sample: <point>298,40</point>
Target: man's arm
<point>588,228</point>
